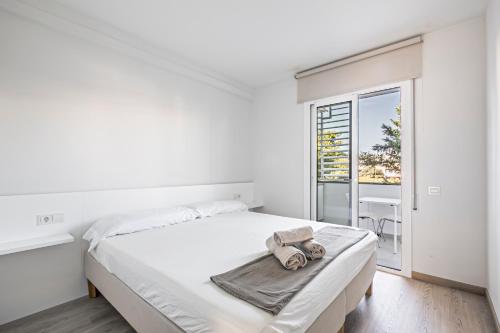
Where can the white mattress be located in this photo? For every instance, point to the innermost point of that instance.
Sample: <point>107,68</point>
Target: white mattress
<point>171,267</point>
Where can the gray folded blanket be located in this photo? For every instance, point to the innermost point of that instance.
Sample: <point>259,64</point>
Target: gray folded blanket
<point>312,249</point>
<point>265,283</point>
<point>289,256</point>
<point>293,236</point>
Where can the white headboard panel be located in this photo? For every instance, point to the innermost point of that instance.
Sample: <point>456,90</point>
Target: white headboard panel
<point>18,212</point>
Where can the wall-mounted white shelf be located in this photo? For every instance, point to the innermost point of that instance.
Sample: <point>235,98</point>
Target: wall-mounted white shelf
<point>34,243</point>
<point>255,204</point>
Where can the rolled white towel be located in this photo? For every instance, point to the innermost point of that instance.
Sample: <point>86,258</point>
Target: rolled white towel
<point>289,256</point>
<point>312,249</point>
<point>293,236</point>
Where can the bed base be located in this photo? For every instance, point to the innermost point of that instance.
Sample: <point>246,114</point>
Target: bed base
<point>144,318</point>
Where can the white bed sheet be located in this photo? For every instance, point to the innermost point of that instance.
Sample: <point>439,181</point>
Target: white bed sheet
<point>171,267</point>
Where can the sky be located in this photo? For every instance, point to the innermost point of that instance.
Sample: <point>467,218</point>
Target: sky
<point>373,112</point>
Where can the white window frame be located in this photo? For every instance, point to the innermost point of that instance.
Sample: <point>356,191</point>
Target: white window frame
<point>310,213</point>
<point>407,162</point>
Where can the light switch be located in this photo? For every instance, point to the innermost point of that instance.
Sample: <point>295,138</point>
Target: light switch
<point>434,190</point>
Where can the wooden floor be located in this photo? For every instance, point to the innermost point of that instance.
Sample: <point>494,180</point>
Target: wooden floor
<point>83,315</point>
<point>405,305</point>
<point>397,305</point>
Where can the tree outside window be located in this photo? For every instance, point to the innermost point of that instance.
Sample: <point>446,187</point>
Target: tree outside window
<point>382,165</point>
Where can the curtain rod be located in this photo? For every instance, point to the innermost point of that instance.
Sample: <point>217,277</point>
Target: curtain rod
<point>360,56</point>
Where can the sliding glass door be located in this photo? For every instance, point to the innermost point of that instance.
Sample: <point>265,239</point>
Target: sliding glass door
<point>379,172</point>
<point>361,167</point>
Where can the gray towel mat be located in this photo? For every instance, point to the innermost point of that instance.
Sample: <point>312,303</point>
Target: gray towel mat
<point>265,283</point>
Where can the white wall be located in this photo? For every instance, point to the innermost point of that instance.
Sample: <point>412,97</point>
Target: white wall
<point>493,87</point>
<point>76,116</point>
<point>449,232</point>
<point>277,142</point>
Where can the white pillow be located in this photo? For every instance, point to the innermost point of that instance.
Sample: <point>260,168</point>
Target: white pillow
<point>212,208</point>
<point>121,224</point>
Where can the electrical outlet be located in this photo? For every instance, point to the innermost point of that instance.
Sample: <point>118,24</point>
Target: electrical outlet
<point>49,219</point>
<point>236,196</point>
<point>44,219</point>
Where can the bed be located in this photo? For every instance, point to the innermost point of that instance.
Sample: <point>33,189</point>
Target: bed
<point>159,279</point>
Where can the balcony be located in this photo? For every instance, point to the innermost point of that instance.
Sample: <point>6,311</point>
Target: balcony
<point>334,204</point>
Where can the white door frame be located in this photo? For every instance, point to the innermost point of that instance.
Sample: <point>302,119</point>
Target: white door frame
<point>407,161</point>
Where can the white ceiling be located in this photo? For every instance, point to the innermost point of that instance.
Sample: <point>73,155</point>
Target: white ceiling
<point>258,42</point>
